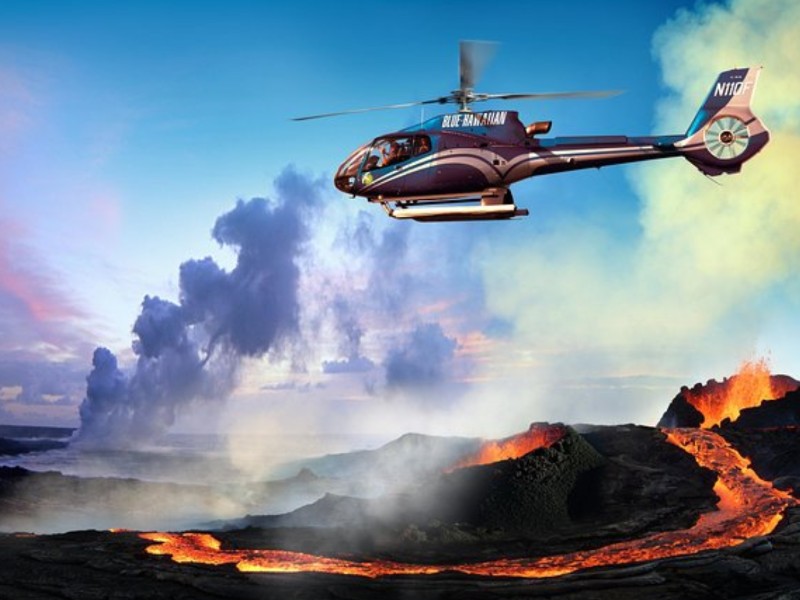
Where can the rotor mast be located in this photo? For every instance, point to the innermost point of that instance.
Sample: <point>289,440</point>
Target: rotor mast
<point>473,56</point>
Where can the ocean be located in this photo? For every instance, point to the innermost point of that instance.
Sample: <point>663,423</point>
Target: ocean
<point>203,459</point>
<point>50,485</point>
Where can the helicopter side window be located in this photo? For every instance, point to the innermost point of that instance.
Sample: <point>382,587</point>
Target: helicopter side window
<point>422,145</point>
<point>388,151</point>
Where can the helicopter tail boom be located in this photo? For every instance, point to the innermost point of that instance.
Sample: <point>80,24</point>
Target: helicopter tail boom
<point>725,133</point>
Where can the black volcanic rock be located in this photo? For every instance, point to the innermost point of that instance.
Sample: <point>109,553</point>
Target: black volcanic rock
<point>528,495</point>
<point>773,452</point>
<point>615,481</point>
<point>597,485</point>
<point>100,564</point>
<point>680,413</point>
<point>646,483</point>
<point>607,484</point>
<point>520,496</point>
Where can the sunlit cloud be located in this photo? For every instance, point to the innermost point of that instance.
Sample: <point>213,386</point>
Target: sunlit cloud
<point>45,339</point>
<point>691,294</point>
<point>29,291</point>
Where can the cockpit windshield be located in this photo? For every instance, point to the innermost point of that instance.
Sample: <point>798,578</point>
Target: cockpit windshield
<point>345,178</point>
<point>395,150</point>
<point>350,166</point>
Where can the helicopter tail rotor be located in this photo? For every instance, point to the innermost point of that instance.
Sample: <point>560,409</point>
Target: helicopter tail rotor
<point>725,133</point>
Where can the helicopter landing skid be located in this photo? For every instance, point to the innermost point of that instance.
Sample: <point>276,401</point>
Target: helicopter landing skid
<point>491,205</point>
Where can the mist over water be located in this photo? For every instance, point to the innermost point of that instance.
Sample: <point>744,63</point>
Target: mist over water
<point>190,458</point>
<point>182,481</point>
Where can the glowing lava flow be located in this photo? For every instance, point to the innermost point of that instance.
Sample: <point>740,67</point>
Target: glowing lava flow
<point>751,385</point>
<point>539,435</point>
<point>749,506</point>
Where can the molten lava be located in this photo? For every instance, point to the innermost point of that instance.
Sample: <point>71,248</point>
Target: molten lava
<point>539,435</point>
<point>751,385</point>
<point>748,506</point>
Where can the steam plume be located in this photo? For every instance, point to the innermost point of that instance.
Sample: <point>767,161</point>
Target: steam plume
<point>350,333</point>
<point>191,350</point>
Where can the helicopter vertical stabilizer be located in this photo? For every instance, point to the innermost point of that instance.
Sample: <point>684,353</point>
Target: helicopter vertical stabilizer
<point>725,133</point>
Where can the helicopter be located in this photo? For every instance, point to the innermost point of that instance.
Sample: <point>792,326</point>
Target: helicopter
<point>460,166</point>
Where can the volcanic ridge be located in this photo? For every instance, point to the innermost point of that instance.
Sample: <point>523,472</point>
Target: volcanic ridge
<point>704,505</point>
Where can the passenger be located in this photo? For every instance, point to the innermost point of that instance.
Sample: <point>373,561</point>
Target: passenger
<point>404,152</point>
<point>423,146</point>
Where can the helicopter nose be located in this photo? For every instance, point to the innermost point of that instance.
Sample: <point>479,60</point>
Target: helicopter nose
<point>346,178</point>
<point>345,183</point>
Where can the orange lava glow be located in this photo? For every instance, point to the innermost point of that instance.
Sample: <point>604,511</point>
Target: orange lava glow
<point>748,506</point>
<point>751,385</point>
<point>539,435</point>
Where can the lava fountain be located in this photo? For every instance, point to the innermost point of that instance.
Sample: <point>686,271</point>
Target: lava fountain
<point>749,387</point>
<point>748,506</point>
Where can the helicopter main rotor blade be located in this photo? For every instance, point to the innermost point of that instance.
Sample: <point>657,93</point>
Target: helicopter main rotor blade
<point>550,95</point>
<point>442,100</point>
<point>473,58</point>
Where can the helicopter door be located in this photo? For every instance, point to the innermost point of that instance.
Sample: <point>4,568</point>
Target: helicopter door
<point>384,169</point>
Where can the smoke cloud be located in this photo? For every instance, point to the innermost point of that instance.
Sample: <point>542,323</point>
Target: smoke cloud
<point>422,360</point>
<point>191,350</point>
<point>350,332</point>
<point>384,279</point>
<point>690,294</point>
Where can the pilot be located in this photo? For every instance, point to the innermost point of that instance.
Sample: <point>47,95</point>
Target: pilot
<point>372,162</point>
<point>392,156</point>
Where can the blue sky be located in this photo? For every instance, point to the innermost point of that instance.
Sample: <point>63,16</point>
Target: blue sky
<point>127,129</point>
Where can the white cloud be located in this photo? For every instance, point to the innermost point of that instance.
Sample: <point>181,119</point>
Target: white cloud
<point>691,296</point>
